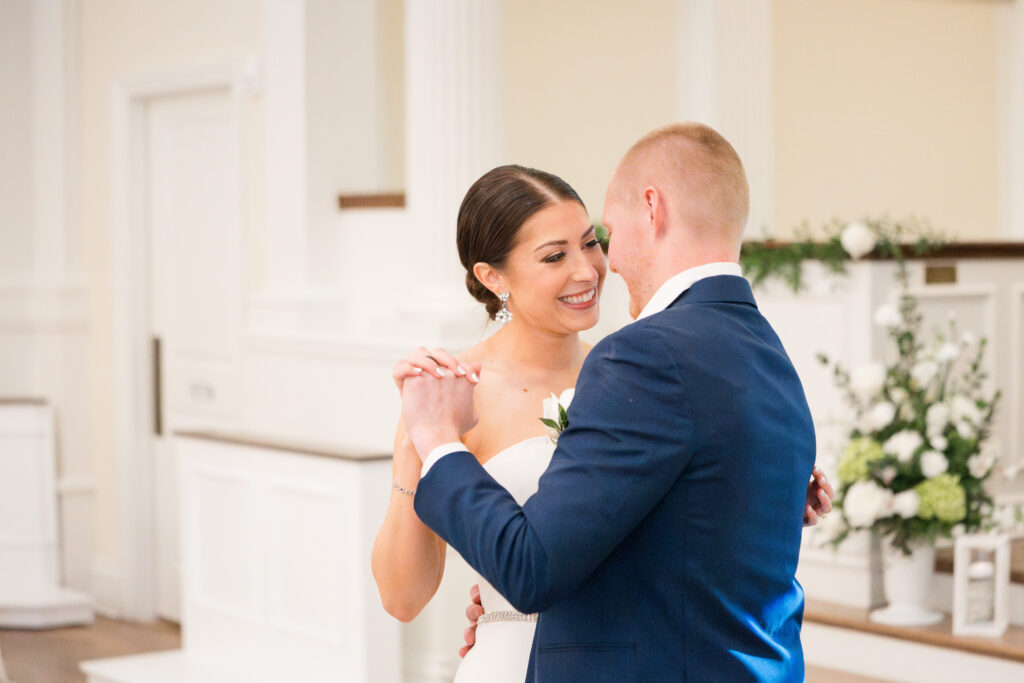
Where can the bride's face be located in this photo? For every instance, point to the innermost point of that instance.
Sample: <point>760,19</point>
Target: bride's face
<point>556,270</point>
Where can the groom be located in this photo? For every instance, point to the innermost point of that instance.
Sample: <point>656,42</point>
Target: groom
<point>663,539</point>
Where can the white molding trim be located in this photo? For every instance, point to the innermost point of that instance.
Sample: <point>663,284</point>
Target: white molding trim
<point>1015,392</point>
<point>132,381</point>
<point>1010,118</point>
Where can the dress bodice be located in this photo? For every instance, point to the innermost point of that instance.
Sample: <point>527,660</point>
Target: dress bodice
<point>518,469</point>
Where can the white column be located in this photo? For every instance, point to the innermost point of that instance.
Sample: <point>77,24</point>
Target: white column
<point>1010,112</point>
<point>284,24</point>
<point>453,122</point>
<point>724,79</point>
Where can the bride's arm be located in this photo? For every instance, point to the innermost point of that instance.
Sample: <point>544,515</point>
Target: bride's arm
<point>408,558</point>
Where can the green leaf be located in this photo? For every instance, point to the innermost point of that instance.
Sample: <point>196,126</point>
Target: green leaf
<point>550,423</point>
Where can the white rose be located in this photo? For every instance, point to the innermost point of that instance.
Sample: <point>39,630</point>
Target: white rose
<point>965,430</point>
<point>924,372</point>
<point>857,239</point>
<point>933,464</point>
<point>888,474</point>
<point>887,316</point>
<point>881,416</point>
<point>551,413</point>
<point>964,410</point>
<point>898,395</point>
<point>938,442</point>
<point>947,352</point>
<point>867,380</point>
<point>979,464</point>
<point>905,503</point>
<point>902,445</point>
<point>866,502</point>
<point>936,418</point>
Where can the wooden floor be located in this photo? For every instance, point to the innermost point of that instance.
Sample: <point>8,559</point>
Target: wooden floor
<point>53,656</point>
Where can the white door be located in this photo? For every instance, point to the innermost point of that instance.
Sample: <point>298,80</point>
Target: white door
<point>191,193</point>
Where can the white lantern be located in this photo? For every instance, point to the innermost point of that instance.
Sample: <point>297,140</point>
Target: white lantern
<point>981,584</point>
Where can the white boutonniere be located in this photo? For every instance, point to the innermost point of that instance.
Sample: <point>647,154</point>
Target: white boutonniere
<point>555,417</point>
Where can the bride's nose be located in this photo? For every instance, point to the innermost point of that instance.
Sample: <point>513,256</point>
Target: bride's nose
<point>583,269</point>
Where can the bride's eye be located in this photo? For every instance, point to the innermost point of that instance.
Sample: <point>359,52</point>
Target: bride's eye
<point>554,258</point>
<point>591,244</point>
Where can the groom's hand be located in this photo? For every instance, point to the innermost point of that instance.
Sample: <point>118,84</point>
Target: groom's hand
<point>437,411</point>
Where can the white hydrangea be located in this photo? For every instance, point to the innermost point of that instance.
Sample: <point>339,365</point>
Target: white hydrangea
<point>937,418</point>
<point>867,380</point>
<point>938,442</point>
<point>902,445</point>
<point>905,503</point>
<point>963,409</point>
<point>887,316</point>
<point>933,464</point>
<point>858,239</point>
<point>924,372</point>
<point>979,464</point>
<point>865,503</point>
<point>880,416</point>
<point>898,395</point>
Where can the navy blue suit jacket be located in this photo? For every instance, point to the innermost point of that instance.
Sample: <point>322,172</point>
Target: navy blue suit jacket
<point>663,540</point>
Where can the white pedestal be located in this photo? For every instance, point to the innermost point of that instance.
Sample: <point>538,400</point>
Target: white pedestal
<point>276,582</point>
<point>30,594</point>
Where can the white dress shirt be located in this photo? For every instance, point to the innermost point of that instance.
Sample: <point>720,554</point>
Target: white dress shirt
<point>669,291</point>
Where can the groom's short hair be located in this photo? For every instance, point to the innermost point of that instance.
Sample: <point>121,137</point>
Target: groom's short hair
<point>700,164</point>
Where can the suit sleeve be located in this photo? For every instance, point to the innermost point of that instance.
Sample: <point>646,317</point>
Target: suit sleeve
<point>626,444</point>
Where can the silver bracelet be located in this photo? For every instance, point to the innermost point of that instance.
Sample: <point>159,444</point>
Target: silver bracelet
<point>398,487</point>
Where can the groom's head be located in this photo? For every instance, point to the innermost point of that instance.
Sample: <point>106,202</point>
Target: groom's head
<point>678,199</point>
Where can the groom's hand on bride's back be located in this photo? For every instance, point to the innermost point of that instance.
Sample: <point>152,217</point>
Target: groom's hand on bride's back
<point>437,397</point>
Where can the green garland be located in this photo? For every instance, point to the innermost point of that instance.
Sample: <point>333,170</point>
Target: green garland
<point>765,260</point>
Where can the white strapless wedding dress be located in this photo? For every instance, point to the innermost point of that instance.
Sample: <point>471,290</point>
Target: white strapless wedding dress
<point>502,650</point>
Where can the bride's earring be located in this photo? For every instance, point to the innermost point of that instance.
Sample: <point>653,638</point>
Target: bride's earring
<point>503,315</point>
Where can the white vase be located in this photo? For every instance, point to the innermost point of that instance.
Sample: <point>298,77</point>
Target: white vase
<point>907,579</point>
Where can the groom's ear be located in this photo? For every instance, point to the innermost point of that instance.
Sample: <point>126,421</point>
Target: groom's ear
<point>488,276</point>
<point>654,209</point>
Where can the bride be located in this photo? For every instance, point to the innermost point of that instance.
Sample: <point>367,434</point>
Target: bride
<point>533,259</point>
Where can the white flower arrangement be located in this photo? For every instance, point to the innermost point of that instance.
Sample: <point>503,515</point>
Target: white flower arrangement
<point>919,451</point>
<point>555,417</point>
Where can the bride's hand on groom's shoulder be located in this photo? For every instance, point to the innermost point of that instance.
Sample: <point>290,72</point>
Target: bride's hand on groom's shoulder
<point>436,362</point>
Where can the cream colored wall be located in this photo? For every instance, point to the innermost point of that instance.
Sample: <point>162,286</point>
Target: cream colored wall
<point>15,139</point>
<point>886,106</point>
<point>583,80</point>
<point>121,40</point>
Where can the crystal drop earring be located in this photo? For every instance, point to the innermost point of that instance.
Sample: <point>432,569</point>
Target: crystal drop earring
<point>503,315</point>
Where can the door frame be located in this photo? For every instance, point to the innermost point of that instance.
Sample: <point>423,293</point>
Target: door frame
<point>131,308</point>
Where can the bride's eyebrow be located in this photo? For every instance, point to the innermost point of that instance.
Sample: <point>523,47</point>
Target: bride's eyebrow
<point>562,243</point>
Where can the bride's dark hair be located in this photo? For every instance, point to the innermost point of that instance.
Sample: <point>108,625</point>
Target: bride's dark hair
<point>492,212</point>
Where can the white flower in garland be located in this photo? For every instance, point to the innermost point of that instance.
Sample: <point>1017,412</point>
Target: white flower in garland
<point>964,409</point>
<point>933,464</point>
<point>937,418</point>
<point>947,353</point>
<point>902,445</point>
<point>858,239</point>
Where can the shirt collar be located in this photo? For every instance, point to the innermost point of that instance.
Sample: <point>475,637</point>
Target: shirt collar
<point>679,283</point>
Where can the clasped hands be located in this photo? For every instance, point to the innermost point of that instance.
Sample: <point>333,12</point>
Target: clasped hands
<point>437,397</point>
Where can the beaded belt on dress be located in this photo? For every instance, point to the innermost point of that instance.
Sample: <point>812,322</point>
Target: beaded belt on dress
<point>505,615</point>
